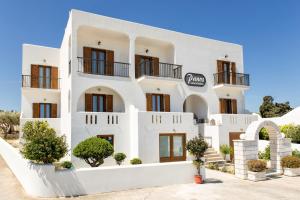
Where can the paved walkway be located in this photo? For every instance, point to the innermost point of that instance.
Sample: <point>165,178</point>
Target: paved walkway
<point>224,187</point>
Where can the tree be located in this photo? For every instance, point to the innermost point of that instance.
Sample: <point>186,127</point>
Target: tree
<point>7,121</point>
<point>119,158</point>
<point>42,146</point>
<point>93,151</point>
<point>225,150</point>
<point>270,109</point>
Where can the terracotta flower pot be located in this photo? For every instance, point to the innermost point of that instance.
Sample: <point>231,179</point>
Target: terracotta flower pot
<point>198,179</point>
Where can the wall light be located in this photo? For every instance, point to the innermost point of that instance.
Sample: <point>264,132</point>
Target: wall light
<point>99,43</point>
<point>158,89</point>
<point>44,60</point>
<point>147,50</point>
<point>98,89</point>
<point>226,56</point>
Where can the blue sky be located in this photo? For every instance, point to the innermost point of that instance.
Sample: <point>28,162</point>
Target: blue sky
<point>269,31</point>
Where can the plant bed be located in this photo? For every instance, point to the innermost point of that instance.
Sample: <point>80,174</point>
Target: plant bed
<point>291,166</point>
<point>257,170</point>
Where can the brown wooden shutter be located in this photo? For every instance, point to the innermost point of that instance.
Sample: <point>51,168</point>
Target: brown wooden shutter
<point>109,63</point>
<point>149,101</point>
<point>222,106</point>
<point>233,73</point>
<point>220,70</point>
<point>36,110</point>
<point>155,64</point>
<point>88,103</point>
<point>34,76</point>
<point>54,77</point>
<point>167,102</point>
<point>234,106</point>
<point>87,59</point>
<point>109,103</point>
<point>53,110</point>
<point>137,66</point>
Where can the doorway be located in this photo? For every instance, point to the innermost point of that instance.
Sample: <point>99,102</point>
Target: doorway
<point>172,147</point>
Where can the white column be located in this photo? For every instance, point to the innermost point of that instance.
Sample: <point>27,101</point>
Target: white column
<point>132,56</point>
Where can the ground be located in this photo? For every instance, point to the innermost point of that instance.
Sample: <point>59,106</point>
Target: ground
<point>219,186</point>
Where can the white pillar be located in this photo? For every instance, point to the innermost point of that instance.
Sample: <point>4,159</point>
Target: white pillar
<point>132,57</point>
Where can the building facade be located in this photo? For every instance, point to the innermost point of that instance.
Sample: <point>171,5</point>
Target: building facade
<point>146,90</point>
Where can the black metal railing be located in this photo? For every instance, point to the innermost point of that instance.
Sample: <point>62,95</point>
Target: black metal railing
<point>232,78</point>
<point>103,67</point>
<point>150,68</point>
<point>40,82</point>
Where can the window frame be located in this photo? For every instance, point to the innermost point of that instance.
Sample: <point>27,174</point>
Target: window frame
<point>98,103</point>
<point>98,61</point>
<point>173,158</point>
<point>162,102</point>
<point>44,105</point>
<point>44,77</point>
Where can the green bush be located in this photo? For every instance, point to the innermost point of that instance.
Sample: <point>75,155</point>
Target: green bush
<point>225,150</point>
<point>119,157</point>
<point>290,162</point>
<point>296,153</point>
<point>265,155</point>
<point>93,151</point>
<point>67,164</point>
<point>213,166</point>
<point>263,134</point>
<point>136,161</point>
<point>42,146</point>
<point>257,165</point>
<point>291,131</point>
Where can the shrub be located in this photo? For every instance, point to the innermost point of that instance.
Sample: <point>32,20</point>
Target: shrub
<point>265,155</point>
<point>296,153</point>
<point>44,146</point>
<point>213,166</point>
<point>225,150</point>
<point>263,134</point>
<point>291,131</point>
<point>93,151</point>
<point>67,164</point>
<point>119,157</point>
<point>7,121</point>
<point>136,161</point>
<point>290,162</point>
<point>257,165</point>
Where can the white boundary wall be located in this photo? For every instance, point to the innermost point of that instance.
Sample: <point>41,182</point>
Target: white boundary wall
<point>262,144</point>
<point>44,181</point>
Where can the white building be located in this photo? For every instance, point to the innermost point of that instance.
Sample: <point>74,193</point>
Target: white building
<point>147,90</point>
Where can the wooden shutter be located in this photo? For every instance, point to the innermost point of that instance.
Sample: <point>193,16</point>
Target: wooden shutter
<point>88,102</point>
<point>234,106</point>
<point>87,59</point>
<point>34,76</point>
<point>233,73</point>
<point>220,71</point>
<point>222,106</point>
<point>36,110</point>
<point>53,110</point>
<point>109,103</point>
<point>54,78</point>
<point>137,66</point>
<point>155,65</point>
<point>109,70</point>
<point>149,101</point>
<point>167,102</point>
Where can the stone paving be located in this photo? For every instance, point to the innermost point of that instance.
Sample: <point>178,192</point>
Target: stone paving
<point>219,186</point>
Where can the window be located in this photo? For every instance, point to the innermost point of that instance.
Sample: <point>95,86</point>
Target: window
<point>157,102</point>
<point>109,138</point>
<point>146,66</point>
<point>228,106</point>
<point>45,110</point>
<point>172,147</point>
<point>98,61</point>
<point>98,103</point>
<point>44,77</point>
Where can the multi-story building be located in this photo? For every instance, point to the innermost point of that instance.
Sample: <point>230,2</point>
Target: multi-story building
<point>147,90</point>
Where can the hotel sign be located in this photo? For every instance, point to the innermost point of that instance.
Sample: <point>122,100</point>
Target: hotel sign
<point>193,79</point>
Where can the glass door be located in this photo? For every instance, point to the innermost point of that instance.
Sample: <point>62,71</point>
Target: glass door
<point>172,147</point>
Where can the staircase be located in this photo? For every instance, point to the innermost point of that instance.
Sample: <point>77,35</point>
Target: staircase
<point>212,156</point>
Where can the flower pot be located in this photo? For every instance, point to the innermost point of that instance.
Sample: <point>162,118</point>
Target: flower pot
<point>198,179</point>
<point>291,171</point>
<point>257,176</point>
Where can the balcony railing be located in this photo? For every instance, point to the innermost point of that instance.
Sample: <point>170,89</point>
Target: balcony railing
<point>149,68</point>
<point>40,82</point>
<point>102,67</point>
<point>232,78</point>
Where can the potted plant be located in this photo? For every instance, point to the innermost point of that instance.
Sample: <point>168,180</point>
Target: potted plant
<point>136,161</point>
<point>291,165</point>
<point>196,147</point>
<point>225,150</point>
<point>119,158</point>
<point>257,170</point>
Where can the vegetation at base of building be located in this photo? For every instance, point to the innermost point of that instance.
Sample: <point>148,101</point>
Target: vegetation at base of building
<point>135,161</point>
<point>257,165</point>
<point>263,134</point>
<point>42,145</point>
<point>67,164</point>
<point>270,109</point>
<point>291,131</point>
<point>196,147</point>
<point>8,121</point>
<point>213,166</point>
<point>225,150</point>
<point>226,169</point>
<point>119,158</point>
<point>266,154</point>
<point>93,151</point>
<point>296,153</point>
<point>290,162</point>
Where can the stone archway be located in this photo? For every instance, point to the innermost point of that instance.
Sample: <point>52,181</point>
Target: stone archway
<point>246,148</point>
<point>196,105</point>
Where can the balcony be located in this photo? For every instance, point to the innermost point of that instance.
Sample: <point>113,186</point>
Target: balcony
<point>29,81</point>
<point>231,80</point>
<point>102,67</point>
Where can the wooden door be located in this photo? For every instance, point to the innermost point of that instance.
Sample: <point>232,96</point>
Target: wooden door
<point>233,136</point>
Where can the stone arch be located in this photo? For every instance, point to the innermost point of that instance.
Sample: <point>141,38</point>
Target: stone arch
<point>197,105</point>
<point>246,148</point>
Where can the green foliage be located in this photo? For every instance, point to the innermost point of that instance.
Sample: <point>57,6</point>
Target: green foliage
<point>263,134</point>
<point>33,129</point>
<point>266,155</point>
<point>296,153</point>
<point>7,121</point>
<point>119,157</point>
<point>270,109</point>
<point>225,150</point>
<point>197,146</point>
<point>213,166</point>
<point>290,162</point>
<point>257,165</point>
<point>291,131</point>
<point>43,147</point>
<point>136,161</point>
<point>67,164</point>
<point>93,151</point>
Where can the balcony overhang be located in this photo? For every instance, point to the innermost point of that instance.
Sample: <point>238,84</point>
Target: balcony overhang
<point>158,80</point>
<point>224,86</point>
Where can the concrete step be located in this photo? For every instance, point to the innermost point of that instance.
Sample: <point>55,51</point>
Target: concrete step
<point>212,156</point>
